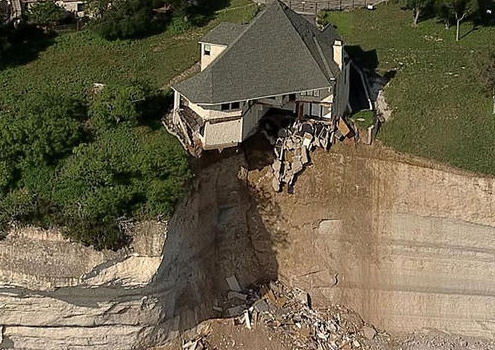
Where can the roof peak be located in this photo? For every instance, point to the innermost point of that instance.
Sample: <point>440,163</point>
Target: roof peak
<point>278,52</point>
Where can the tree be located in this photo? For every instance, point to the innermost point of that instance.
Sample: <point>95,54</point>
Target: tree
<point>458,11</point>
<point>487,75</point>
<point>124,19</point>
<point>117,104</point>
<point>418,7</point>
<point>40,129</point>
<point>46,14</point>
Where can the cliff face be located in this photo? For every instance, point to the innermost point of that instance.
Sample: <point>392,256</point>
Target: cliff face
<point>405,243</point>
<point>56,294</point>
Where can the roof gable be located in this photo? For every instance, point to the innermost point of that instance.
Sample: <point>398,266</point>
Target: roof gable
<point>279,52</point>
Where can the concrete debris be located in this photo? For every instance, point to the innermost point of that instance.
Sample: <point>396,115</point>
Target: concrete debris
<point>196,344</point>
<point>233,294</point>
<point>288,312</point>
<point>368,332</point>
<point>294,144</point>
<point>235,311</point>
<point>233,284</point>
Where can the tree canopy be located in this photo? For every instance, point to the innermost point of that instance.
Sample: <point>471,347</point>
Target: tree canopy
<point>418,7</point>
<point>46,14</point>
<point>87,165</point>
<point>124,19</point>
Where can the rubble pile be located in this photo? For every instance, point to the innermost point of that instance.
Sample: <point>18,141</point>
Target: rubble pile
<point>289,313</point>
<point>295,143</point>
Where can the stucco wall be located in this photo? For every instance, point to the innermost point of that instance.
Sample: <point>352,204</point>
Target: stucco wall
<point>223,134</point>
<point>216,50</point>
<point>208,114</point>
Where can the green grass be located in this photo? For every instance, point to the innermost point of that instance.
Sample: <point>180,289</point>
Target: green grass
<point>86,167</point>
<point>364,119</point>
<point>77,60</point>
<point>439,108</point>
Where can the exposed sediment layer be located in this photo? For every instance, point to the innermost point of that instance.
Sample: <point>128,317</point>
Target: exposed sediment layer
<point>406,243</point>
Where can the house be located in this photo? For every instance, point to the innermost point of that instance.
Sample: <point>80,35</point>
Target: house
<point>76,7</point>
<point>278,61</point>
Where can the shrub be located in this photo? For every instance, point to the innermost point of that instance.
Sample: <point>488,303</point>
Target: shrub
<point>117,104</point>
<point>40,129</point>
<point>117,177</point>
<point>124,19</point>
<point>46,14</point>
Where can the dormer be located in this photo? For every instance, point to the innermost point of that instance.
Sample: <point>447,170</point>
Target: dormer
<point>216,41</point>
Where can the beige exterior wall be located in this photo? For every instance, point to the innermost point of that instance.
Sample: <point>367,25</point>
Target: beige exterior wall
<point>208,114</point>
<point>238,125</point>
<point>223,134</point>
<point>251,118</point>
<point>216,50</point>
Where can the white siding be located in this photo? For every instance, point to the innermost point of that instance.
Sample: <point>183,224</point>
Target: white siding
<point>215,51</point>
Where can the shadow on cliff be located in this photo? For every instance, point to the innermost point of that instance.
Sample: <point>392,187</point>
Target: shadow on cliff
<point>217,233</point>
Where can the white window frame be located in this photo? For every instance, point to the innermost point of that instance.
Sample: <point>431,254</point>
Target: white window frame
<point>206,49</point>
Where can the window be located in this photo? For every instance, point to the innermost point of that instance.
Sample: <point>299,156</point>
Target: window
<point>207,50</point>
<point>292,97</point>
<point>231,106</point>
<point>315,93</point>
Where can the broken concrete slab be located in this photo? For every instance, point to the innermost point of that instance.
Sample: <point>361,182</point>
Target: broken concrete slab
<point>368,332</point>
<point>237,295</point>
<point>234,284</point>
<point>235,311</point>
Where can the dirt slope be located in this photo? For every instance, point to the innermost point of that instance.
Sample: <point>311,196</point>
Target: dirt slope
<point>406,243</point>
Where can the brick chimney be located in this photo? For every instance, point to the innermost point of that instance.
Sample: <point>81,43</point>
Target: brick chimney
<point>338,54</point>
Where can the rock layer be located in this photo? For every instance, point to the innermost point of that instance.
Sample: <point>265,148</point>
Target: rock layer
<point>406,243</point>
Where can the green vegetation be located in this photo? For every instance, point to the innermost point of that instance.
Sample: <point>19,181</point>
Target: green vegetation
<point>46,14</point>
<point>364,119</point>
<point>126,18</point>
<point>121,19</point>
<point>440,108</point>
<point>84,157</point>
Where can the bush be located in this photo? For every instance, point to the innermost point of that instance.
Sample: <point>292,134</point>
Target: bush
<point>125,19</point>
<point>117,104</point>
<point>54,170</point>
<point>46,14</point>
<point>40,129</point>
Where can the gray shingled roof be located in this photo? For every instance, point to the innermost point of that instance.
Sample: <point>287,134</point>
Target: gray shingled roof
<point>279,52</point>
<point>224,34</point>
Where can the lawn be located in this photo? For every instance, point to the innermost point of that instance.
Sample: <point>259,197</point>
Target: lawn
<point>439,109</point>
<point>74,61</point>
<point>86,159</point>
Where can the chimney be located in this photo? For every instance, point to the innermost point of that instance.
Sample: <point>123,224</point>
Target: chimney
<point>338,54</point>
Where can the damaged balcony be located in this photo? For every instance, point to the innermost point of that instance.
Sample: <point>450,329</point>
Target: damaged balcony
<point>187,126</point>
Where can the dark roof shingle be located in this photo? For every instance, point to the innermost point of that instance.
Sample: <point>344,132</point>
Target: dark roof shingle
<point>280,52</point>
<point>224,34</point>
